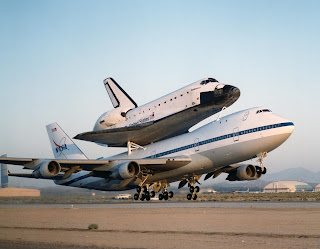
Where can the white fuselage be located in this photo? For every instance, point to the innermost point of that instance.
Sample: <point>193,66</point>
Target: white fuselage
<point>175,102</point>
<point>232,139</point>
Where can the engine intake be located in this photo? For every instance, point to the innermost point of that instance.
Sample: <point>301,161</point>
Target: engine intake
<point>47,169</point>
<point>125,170</point>
<point>245,172</point>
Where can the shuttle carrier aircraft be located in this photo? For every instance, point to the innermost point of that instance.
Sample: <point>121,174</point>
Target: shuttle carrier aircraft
<point>218,147</point>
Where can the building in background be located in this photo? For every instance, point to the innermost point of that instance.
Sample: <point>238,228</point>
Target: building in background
<point>287,186</point>
<point>317,188</point>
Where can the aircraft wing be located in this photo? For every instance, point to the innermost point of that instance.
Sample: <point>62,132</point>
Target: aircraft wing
<point>153,164</point>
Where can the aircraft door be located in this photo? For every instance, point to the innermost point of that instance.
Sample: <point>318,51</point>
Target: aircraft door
<point>246,114</point>
<point>153,154</point>
<point>236,134</point>
<point>196,144</point>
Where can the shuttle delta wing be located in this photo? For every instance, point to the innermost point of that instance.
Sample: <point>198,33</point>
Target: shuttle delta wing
<point>143,134</point>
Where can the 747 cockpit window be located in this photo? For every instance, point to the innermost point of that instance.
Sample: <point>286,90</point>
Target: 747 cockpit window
<point>204,82</point>
<point>263,110</point>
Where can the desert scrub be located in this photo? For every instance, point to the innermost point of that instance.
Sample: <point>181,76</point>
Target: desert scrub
<point>93,226</point>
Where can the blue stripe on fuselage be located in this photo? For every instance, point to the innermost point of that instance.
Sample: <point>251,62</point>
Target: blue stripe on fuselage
<point>230,135</point>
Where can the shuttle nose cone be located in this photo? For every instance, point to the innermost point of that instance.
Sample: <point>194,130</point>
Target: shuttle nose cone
<point>235,91</point>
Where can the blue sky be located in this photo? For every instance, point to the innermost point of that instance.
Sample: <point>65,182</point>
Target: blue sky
<point>55,55</point>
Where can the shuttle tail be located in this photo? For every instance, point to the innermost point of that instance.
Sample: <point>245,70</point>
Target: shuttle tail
<point>4,174</point>
<point>118,96</point>
<point>62,145</point>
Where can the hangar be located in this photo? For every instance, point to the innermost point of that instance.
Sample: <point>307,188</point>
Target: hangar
<point>287,186</point>
<point>317,188</point>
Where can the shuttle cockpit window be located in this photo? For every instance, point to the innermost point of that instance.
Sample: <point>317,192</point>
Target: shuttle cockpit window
<point>204,82</point>
<point>263,110</point>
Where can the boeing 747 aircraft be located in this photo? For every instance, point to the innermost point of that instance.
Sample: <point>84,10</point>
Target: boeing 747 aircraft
<point>165,117</point>
<point>216,148</point>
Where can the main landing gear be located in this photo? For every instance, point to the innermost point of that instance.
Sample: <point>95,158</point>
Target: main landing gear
<point>165,195</point>
<point>144,194</point>
<point>193,192</point>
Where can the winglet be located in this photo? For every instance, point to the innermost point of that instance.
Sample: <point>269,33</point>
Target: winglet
<point>62,145</point>
<point>4,174</point>
<point>118,96</point>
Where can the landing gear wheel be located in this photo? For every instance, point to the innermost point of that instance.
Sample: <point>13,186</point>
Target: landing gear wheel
<point>160,197</point>
<point>152,194</point>
<point>142,197</point>
<point>191,189</point>
<point>195,197</point>
<point>139,189</point>
<point>165,195</point>
<point>147,194</point>
<point>144,189</point>
<point>197,189</point>
<point>148,197</point>
<point>170,194</point>
<point>189,196</point>
<point>136,197</point>
<point>264,170</point>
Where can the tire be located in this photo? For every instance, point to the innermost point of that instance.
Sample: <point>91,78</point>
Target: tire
<point>148,197</point>
<point>139,189</point>
<point>148,194</point>
<point>144,189</point>
<point>170,194</point>
<point>197,189</point>
<point>189,196</point>
<point>136,197</point>
<point>152,194</point>
<point>191,189</point>
<point>142,197</point>
<point>195,197</point>
<point>160,197</point>
<point>165,197</point>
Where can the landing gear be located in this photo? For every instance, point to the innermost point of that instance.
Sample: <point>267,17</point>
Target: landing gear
<point>193,189</point>
<point>262,169</point>
<point>192,195</point>
<point>165,195</point>
<point>144,194</point>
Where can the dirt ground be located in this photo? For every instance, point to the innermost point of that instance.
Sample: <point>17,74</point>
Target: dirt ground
<point>163,227</point>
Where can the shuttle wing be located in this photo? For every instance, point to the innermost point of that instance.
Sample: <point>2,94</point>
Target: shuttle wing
<point>173,125</point>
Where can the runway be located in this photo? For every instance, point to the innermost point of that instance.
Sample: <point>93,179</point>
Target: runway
<point>161,225</point>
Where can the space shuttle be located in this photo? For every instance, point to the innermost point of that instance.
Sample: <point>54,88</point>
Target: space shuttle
<point>171,115</point>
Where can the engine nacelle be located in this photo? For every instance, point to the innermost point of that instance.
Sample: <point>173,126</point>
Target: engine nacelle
<point>47,169</point>
<point>125,170</point>
<point>245,172</point>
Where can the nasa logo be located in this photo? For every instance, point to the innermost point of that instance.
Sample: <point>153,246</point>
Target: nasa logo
<point>61,146</point>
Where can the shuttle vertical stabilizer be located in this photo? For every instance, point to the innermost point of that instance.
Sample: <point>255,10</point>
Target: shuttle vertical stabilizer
<point>118,96</point>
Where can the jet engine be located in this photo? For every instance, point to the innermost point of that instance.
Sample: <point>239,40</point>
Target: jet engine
<point>125,170</point>
<point>47,169</point>
<point>245,172</point>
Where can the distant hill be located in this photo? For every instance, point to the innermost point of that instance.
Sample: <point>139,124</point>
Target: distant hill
<point>295,174</point>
